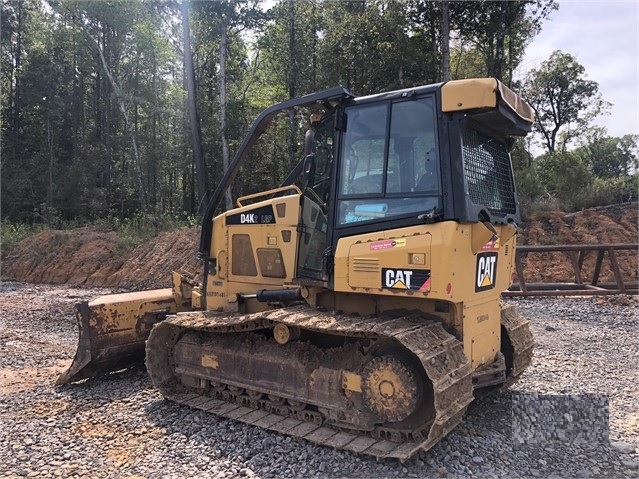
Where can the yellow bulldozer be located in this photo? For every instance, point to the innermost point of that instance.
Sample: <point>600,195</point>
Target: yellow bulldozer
<point>357,305</point>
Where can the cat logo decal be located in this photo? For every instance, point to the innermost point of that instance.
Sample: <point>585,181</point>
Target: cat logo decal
<point>486,273</point>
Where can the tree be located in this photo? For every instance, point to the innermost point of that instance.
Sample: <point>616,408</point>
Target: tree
<point>610,157</point>
<point>91,132</point>
<point>565,177</point>
<point>71,153</point>
<point>218,28</point>
<point>445,40</point>
<point>194,119</point>
<point>529,188</point>
<point>564,100</point>
<point>497,32</point>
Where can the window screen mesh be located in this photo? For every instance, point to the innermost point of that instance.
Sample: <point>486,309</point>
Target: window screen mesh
<point>487,171</point>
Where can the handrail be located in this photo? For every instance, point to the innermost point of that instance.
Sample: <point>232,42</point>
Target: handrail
<point>269,192</point>
<point>576,255</point>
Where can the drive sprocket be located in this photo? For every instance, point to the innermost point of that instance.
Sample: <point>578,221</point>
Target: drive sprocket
<point>390,389</point>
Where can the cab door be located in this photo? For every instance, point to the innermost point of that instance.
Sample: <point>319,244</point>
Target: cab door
<point>313,252</point>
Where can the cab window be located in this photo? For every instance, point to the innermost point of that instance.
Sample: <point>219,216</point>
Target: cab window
<point>389,161</point>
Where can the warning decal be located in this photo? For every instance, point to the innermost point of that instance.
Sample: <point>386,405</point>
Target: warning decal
<point>486,275</point>
<point>386,244</point>
<point>492,245</point>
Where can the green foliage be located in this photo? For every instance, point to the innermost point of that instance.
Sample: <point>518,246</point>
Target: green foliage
<point>12,233</point>
<point>68,157</point>
<point>597,172</point>
<point>564,176</point>
<point>529,187</point>
<point>607,191</point>
<point>611,157</point>
<point>144,226</point>
<point>493,35</point>
<point>601,172</point>
<point>130,231</point>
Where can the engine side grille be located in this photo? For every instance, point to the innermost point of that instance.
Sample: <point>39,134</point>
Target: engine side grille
<point>365,265</point>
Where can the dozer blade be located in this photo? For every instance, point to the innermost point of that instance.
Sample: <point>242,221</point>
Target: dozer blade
<point>113,330</point>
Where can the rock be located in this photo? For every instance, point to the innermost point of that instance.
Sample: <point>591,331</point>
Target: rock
<point>120,426</point>
<point>622,447</point>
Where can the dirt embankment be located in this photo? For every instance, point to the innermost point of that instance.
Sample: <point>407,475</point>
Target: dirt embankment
<point>94,257</point>
<point>595,226</point>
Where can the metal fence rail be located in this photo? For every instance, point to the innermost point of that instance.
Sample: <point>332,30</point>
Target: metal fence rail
<point>576,255</point>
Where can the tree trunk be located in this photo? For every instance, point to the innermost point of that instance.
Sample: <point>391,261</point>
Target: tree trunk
<point>225,142</point>
<point>127,122</point>
<point>194,119</point>
<point>510,57</point>
<point>120,98</point>
<point>498,64</point>
<point>50,145</point>
<point>445,41</point>
<point>17,94</point>
<point>292,82</point>
<point>434,52</point>
<point>103,122</point>
<point>314,46</point>
<point>108,144</point>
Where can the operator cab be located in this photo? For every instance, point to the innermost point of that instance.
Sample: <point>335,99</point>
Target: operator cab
<point>395,160</point>
<point>387,168</point>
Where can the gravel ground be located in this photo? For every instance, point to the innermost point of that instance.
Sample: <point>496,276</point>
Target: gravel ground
<point>574,413</point>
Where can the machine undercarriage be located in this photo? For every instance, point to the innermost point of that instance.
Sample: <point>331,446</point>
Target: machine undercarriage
<point>384,387</point>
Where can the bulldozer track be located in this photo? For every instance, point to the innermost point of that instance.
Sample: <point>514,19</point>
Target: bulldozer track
<point>521,340</point>
<point>441,355</point>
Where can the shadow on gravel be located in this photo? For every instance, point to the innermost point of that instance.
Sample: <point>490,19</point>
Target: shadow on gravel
<point>511,433</point>
<point>110,387</point>
<point>268,453</point>
<point>527,418</point>
<point>543,435</point>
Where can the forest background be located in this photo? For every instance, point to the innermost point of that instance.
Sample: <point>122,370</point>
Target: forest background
<point>97,125</point>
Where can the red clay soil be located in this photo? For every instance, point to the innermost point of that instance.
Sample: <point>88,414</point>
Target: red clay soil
<point>93,257</point>
<point>595,226</point>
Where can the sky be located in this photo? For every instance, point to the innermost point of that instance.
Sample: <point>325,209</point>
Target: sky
<point>603,35</point>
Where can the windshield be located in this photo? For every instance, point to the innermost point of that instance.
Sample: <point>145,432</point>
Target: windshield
<point>390,161</point>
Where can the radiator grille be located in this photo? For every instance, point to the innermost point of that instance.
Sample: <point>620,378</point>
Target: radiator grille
<point>365,265</point>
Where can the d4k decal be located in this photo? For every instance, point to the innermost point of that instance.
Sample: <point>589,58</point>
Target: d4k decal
<point>486,273</point>
<point>258,216</point>
<point>412,279</point>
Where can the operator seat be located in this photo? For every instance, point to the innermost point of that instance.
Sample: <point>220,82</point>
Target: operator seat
<point>429,180</point>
